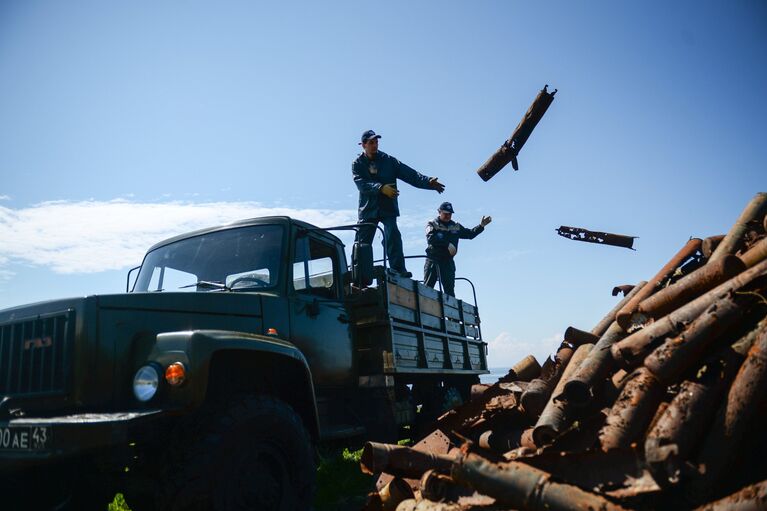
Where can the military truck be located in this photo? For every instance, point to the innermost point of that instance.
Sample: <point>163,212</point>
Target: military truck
<point>233,353</point>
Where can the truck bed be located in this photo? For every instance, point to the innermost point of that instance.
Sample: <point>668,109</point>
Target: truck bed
<point>405,327</point>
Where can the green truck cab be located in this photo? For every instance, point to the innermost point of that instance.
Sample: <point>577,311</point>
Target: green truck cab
<point>235,352</point>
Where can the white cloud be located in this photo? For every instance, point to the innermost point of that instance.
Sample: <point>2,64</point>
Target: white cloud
<point>6,275</point>
<point>505,351</point>
<point>5,197</point>
<point>93,236</point>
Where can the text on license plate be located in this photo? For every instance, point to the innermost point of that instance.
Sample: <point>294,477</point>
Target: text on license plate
<point>24,438</point>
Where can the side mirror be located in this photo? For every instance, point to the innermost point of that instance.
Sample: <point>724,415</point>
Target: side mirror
<point>362,264</point>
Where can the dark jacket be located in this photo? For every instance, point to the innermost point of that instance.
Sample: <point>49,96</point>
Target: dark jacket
<point>370,175</point>
<point>439,235</point>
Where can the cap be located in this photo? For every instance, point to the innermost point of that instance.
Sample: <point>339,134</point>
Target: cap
<point>446,207</point>
<point>368,135</point>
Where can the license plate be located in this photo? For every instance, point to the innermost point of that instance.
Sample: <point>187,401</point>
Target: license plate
<point>25,438</point>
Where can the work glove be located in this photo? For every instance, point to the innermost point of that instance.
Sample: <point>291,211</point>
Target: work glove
<point>389,190</point>
<point>452,249</point>
<point>485,220</point>
<point>434,184</point>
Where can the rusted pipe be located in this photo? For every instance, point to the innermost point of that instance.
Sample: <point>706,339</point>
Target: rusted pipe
<point>500,441</point>
<point>670,360</point>
<point>625,289</point>
<point>577,337</point>
<point>632,411</point>
<point>709,245</point>
<point>525,370</point>
<point>750,498</point>
<point>755,254</point>
<point>634,348</point>
<point>688,250</point>
<point>606,321</point>
<point>594,368</point>
<point>438,487</point>
<point>755,210</point>
<point>538,392</point>
<point>523,487</point>
<point>400,461</point>
<point>725,438</point>
<point>687,288</point>
<point>554,417</point>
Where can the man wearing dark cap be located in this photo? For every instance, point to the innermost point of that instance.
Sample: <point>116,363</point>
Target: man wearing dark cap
<point>442,235</point>
<point>375,174</point>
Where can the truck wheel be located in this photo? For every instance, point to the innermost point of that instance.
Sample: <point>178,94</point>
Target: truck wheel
<point>255,455</point>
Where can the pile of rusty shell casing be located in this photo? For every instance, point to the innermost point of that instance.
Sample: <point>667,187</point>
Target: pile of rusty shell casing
<point>669,361</point>
<point>755,254</point>
<point>593,369</point>
<point>554,417</point>
<point>525,370</point>
<point>709,245</point>
<point>623,317</point>
<point>523,487</point>
<point>538,392</point>
<point>687,288</point>
<point>632,411</point>
<point>750,498</point>
<point>393,493</point>
<point>632,350</point>
<point>400,461</point>
<point>725,438</point>
<point>754,211</point>
<point>609,318</point>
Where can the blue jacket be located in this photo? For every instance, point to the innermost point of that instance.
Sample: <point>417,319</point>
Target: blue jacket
<point>370,175</point>
<point>439,235</point>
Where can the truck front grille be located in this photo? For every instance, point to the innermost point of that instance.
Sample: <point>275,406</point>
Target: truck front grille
<point>36,354</point>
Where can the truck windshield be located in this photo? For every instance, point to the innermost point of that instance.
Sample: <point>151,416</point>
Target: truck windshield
<point>245,258</point>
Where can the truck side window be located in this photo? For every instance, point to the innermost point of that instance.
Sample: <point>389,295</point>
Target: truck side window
<point>314,268</point>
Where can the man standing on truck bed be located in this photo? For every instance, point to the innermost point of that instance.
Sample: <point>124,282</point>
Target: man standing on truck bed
<point>442,235</point>
<point>375,174</point>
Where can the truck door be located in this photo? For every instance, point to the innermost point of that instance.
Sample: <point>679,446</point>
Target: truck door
<point>319,323</point>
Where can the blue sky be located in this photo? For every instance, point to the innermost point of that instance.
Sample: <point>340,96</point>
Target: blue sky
<point>125,123</point>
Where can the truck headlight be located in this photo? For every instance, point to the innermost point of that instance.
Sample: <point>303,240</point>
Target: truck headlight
<point>145,383</point>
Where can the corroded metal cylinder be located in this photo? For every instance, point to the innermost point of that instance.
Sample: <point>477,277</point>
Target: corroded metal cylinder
<point>725,438</point>
<point>623,317</point>
<point>750,498</point>
<point>755,254</point>
<point>577,337</point>
<point>755,210</point>
<point>393,493</point>
<point>709,245</point>
<point>632,411</point>
<point>554,417</point>
<point>521,486</point>
<point>634,348</point>
<point>688,288</point>
<point>594,368</point>
<point>670,360</point>
<point>606,321</point>
<point>400,461</point>
<point>500,441</point>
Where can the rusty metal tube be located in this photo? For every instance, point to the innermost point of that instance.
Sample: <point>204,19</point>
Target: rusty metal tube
<point>527,369</point>
<point>709,245</point>
<point>632,411</point>
<point>755,210</point>
<point>669,361</point>
<point>537,394</point>
<point>500,441</point>
<point>750,498</point>
<point>523,487</point>
<point>577,337</point>
<point>623,317</point>
<point>687,288</point>
<point>554,417</point>
<point>606,321</point>
<point>755,254</point>
<point>634,348</point>
<point>725,438</point>
<point>400,461</point>
<point>594,368</point>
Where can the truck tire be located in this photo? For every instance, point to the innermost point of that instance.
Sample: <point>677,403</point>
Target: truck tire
<point>257,454</point>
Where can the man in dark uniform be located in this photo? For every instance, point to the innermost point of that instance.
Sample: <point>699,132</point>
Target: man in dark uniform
<point>442,235</point>
<point>375,174</point>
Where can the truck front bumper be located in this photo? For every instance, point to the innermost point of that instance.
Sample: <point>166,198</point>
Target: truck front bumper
<point>27,441</point>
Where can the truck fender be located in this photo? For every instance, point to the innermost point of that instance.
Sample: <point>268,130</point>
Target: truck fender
<point>220,362</point>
